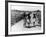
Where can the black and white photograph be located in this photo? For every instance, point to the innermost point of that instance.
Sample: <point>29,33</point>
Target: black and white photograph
<point>25,18</point>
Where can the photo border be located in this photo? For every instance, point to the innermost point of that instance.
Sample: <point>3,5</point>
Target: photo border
<point>6,17</point>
